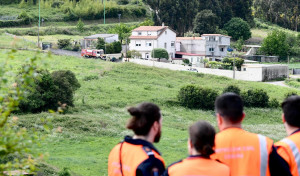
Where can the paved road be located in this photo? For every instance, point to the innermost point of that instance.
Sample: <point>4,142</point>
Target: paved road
<point>65,52</point>
<point>278,83</point>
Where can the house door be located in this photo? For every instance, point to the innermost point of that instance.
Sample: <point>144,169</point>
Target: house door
<point>147,56</point>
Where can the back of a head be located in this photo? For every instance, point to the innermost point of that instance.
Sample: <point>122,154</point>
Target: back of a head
<point>230,106</point>
<point>202,136</point>
<point>143,117</point>
<point>291,110</point>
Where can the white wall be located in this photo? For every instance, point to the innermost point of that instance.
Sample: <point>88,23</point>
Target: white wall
<point>167,37</point>
<point>193,46</point>
<point>220,42</point>
<point>252,74</point>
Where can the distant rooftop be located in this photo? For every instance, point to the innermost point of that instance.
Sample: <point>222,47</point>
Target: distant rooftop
<point>215,35</point>
<point>189,38</point>
<point>143,37</point>
<point>99,36</point>
<point>150,28</point>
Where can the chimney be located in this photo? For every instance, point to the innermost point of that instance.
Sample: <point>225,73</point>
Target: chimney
<point>163,24</point>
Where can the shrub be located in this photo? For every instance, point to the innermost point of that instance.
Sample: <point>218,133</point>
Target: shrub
<point>80,26</point>
<point>192,96</point>
<point>50,91</point>
<point>25,17</point>
<point>238,62</point>
<point>123,2</point>
<point>255,98</point>
<point>232,88</point>
<point>274,103</point>
<point>186,61</point>
<point>64,43</point>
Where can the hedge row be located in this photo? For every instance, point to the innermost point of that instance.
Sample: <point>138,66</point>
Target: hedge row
<point>197,97</point>
<point>12,23</point>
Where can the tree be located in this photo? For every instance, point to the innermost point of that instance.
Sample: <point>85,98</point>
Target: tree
<point>100,44</point>
<point>191,34</point>
<point>275,44</point>
<point>80,26</point>
<point>159,53</point>
<point>124,31</point>
<point>135,54</point>
<point>238,28</point>
<point>206,22</point>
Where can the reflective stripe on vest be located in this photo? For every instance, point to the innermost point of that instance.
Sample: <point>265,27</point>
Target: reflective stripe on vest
<point>294,150</point>
<point>263,154</point>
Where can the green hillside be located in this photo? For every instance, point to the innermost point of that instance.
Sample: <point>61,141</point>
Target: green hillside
<point>96,124</point>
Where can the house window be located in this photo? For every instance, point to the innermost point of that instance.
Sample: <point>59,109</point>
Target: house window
<point>139,33</point>
<point>198,59</point>
<point>137,43</point>
<point>211,49</point>
<point>165,45</point>
<point>148,44</point>
<point>172,44</point>
<point>212,38</point>
<point>222,49</point>
<point>192,59</point>
<point>148,33</point>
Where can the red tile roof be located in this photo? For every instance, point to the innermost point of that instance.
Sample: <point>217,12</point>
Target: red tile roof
<point>189,54</point>
<point>150,28</point>
<point>143,37</point>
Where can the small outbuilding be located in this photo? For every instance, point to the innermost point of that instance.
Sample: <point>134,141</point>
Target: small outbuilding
<point>91,41</point>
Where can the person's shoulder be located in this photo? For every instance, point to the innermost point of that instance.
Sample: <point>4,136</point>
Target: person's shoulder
<point>176,163</point>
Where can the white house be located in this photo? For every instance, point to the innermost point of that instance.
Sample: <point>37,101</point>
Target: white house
<point>211,46</point>
<point>90,41</point>
<point>216,45</point>
<point>145,38</point>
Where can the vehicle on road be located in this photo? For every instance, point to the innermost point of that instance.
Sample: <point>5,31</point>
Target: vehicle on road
<point>93,53</point>
<point>192,70</point>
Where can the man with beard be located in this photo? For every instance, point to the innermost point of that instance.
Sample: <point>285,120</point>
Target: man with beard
<point>136,156</point>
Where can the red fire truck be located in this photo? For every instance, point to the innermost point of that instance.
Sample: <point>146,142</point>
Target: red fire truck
<point>93,53</point>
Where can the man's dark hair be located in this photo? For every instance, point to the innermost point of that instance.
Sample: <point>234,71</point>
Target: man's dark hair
<point>202,136</point>
<point>143,117</point>
<point>291,110</point>
<point>230,106</point>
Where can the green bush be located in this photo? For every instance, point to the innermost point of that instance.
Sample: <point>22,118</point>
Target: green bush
<point>186,61</point>
<point>64,43</point>
<point>255,98</point>
<point>232,88</point>
<point>50,91</point>
<point>238,62</point>
<point>274,103</point>
<point>192,96</point>
<point>123,2</point>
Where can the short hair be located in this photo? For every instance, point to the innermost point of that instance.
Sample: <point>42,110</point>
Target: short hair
<point>202,136</point>
<point>143,117</point>
<point>230,106</point>
<point>291,110</point>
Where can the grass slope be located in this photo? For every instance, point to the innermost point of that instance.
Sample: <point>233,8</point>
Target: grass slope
<point>97,122</point>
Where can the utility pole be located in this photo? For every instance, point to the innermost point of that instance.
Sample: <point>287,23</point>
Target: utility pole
<point>104,10</point>
<point>233,66</point>
<point>39,23</point>
<point>119,18</point>
<point>288,73</point>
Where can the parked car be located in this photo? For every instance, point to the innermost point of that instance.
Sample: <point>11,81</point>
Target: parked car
<point>192,70</point>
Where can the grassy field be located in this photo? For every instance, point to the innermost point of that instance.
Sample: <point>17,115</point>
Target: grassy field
<point>97,121</point>
<point>7,41</point>
<point>53,38</point>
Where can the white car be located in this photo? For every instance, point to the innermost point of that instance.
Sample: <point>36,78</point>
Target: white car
<point>192,70</point>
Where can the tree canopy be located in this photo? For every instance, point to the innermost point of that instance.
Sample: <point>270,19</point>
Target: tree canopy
<point>206,22</point>
<point>159,53</point>
<point>238,28</point>
<point>275,44</point>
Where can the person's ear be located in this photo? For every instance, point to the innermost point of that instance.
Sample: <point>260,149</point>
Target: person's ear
<point>243,117</point>
<point>190,146</point>
<point>283,118</point>
<point>219,120</point>
<point>156,126</point>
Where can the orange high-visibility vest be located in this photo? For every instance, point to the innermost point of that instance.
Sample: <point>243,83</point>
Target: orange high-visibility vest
<point>197,165</point>
<point>288,148</point>
<point>134,156</point>
<point>244,152</point>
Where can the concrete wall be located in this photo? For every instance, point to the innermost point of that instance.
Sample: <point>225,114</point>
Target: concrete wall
<point>251,74</point>
<point>167,37</point>
<point>193,46</point>
<point>274,72</point>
